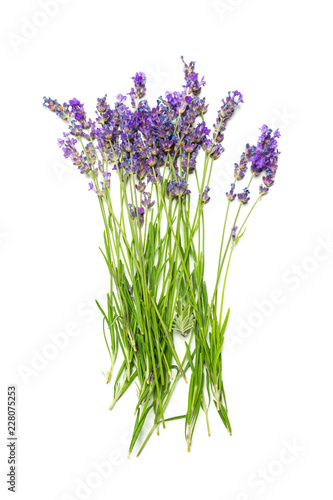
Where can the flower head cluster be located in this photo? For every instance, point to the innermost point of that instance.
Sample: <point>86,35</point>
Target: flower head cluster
<point>60,110</point>
<point>263,158</point>
<point>140,84</point>
<point>266,157</point>
<point>225,113</point>
<point>139,140</point>
<point>266,150</point>
<point>193,84</point>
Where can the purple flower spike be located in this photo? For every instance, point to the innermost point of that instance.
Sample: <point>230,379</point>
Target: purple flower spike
<point>80,117</point>
<point>225,113</point>
<point>233,233</point>
<point>204,196</point>
<point>231,195</point>
<point>193,84</point>
<point>132,97</point>
<point>60,110</point>
<point>246,156</point>
<point>239,173</point>
<point>244,197</point>
<point>266,155</point>
<point>139,84</point>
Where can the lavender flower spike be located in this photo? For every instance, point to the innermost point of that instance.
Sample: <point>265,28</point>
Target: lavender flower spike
<point>139,84</point>
<point>266,154</point>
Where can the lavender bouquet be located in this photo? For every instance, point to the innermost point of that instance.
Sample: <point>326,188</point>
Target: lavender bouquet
<point>154,246</point>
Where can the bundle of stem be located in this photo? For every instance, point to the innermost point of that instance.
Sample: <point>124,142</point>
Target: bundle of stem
<point>154,272</point>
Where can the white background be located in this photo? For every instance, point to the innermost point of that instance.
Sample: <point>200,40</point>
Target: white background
<point>277,373</point>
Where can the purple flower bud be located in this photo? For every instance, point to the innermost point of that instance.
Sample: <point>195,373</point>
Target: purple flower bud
<point>177,188</point>
<point>121,98</point>
<point>268,181</point>
<point>239,173</point>
<point>132,211</point>
<point>166,144</point>
<point>146,201</point>
<point>218,137</point>
<point>263,190</point>
<point>227,109</point>
<point>231,195</point>
<point>188,165</point>
<point>214,150</point>
<point>137,213</point>
<point>140,187</point>
<point>244,197</point>
<point>188,147</point>
<point>233,233</point>
<point>141,219</point>
<point>204,196</point>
